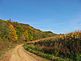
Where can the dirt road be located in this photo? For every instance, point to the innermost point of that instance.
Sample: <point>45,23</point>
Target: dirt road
<point>19,54</point>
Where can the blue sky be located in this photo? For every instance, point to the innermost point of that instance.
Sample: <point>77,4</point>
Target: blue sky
<point>59,16</point>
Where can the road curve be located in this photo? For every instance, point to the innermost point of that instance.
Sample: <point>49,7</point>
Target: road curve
<point>19,54</point>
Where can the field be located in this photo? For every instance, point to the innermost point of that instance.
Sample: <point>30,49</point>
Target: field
<point>63,47</point>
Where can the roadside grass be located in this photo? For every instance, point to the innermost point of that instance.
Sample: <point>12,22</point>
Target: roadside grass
<point>38,51</point>
<point>6,46</point>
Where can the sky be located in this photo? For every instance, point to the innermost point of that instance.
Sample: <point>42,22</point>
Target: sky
<point>58,16</point>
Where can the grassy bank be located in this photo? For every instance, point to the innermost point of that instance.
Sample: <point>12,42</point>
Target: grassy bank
<point>63,47</point>
<point>5,46</point>
<point>38,51</point>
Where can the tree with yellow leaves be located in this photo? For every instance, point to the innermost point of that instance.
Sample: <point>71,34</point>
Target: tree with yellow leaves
<point>12,32</point>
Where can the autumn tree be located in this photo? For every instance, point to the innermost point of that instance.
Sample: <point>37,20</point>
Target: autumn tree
<point>12,32</point>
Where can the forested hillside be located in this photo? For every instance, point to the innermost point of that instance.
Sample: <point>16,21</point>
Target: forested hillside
<point>13,32</point>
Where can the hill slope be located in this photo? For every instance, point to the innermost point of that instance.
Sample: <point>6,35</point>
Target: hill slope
<point>12,33</point>
<point>63,47</point>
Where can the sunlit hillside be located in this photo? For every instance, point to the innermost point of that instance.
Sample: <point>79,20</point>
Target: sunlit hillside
<point>12,33</point>
<point>63,47</point>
